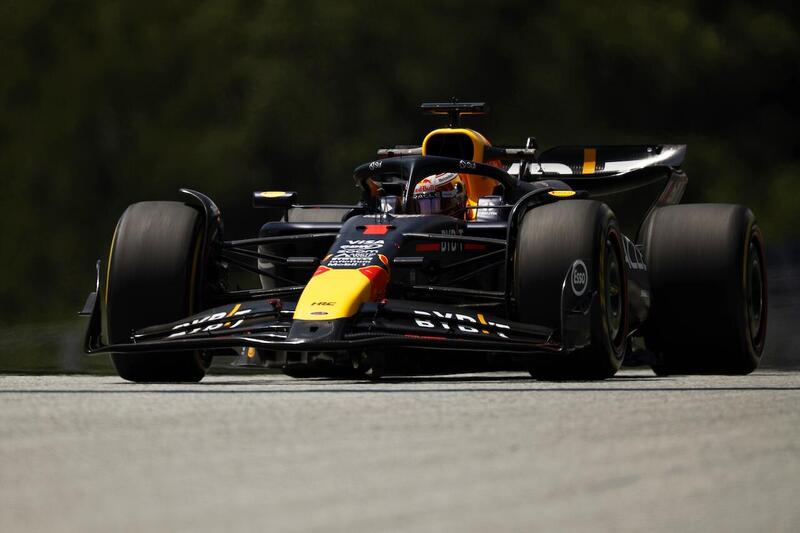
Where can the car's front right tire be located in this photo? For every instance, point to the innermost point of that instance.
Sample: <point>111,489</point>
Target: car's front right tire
<point>153,278</point>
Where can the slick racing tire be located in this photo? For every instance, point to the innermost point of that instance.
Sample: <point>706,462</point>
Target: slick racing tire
<point>153,271</point>
<point>551,238</point>
<point>708,283</point>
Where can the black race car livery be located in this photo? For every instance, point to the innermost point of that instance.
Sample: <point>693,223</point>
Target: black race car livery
<point>566,263</point>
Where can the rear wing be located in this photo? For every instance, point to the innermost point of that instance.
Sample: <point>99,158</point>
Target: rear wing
<point>600,160</point>
<point>571,160</point>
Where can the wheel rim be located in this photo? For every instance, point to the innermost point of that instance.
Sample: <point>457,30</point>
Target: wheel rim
<point>613,292</point>
<point>755,292</point>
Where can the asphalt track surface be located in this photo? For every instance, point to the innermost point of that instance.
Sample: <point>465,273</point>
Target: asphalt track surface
<point>493,452</point>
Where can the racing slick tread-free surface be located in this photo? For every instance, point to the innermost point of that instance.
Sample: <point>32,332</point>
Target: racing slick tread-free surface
<point>551,238</point>
<point>152,280</point>
<point>708,283</point>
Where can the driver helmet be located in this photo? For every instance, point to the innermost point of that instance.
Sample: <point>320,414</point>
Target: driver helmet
<point>442,194</point>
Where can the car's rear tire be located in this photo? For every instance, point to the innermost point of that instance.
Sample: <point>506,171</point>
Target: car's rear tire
<point>550,239</point>
<point>152,278</point>
<point>709,289</point>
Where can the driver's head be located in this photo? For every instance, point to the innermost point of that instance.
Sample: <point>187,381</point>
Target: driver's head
<point>442,194</point>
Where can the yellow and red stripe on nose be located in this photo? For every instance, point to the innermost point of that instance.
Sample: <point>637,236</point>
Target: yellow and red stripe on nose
<point>333,293</point>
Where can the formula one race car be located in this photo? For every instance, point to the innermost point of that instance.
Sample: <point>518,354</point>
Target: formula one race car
<point>460,256</point>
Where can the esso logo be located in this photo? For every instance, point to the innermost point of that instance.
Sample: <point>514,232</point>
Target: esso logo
<point>579,278</point>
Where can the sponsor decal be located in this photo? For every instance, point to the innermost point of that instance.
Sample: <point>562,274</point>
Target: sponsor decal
<point>375,165</point>
<point>329,304</point>
<point>466,164</point>
<point>197,325</point>
<point>579,278</point>
<point>445,246</point>
<point>355,253</point>
<point>450,246</point>
<point>459,322</point>
<point>425,185</point>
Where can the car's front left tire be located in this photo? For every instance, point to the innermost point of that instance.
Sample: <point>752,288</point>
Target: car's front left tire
<point>551,238</point>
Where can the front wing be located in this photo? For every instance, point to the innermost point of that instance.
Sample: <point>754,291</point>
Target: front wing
<point>269,325</point>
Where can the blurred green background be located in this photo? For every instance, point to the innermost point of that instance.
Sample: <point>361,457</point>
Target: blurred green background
<point>104,103</point>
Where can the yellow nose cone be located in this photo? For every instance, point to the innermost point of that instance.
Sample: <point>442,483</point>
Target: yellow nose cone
<point>333,294</point>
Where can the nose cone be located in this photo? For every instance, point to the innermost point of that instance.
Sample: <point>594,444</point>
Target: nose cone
<point>338,293</point>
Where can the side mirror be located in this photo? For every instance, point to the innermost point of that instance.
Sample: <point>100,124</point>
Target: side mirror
<point>279,199</point>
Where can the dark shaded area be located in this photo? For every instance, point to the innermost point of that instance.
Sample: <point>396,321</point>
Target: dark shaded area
<point>106,103</point>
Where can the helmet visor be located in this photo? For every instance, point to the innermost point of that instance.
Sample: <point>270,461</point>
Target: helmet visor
<point>429,205</point>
